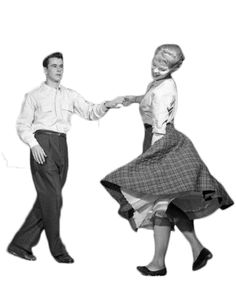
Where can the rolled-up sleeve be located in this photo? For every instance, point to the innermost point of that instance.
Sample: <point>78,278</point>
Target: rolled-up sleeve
<point>88,110</point>
<point>162,103</point>
<point>25,120</point>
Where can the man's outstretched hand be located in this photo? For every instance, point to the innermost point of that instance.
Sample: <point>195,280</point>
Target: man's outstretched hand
<point>115,103</point>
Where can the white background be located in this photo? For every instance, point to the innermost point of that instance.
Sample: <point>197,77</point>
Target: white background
<point>108,47</point>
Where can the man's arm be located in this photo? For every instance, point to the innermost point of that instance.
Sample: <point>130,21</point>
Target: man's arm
<point>24,129</point>
<point>91,111</point>
<point>24,122</point>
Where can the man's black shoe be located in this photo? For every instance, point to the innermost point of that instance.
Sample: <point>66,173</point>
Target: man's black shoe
<point>21,253</point>
<point>64,258</point>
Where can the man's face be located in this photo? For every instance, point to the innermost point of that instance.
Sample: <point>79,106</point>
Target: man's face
<point>55,69</point>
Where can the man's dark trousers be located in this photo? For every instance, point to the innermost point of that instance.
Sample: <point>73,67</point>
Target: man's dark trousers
<point>49,179</point>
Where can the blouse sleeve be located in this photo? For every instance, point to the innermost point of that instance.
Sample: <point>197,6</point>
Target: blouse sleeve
<point>162,103</point>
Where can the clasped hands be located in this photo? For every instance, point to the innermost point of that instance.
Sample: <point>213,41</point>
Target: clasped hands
<point>121,100</point>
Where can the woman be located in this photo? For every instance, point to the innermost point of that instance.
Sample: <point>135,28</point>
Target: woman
<point>168,184</point>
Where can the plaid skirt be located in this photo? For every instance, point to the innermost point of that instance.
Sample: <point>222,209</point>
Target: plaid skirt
<point>170,170</point>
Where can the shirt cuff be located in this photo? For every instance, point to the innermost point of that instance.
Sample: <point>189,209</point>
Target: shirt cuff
<point>33,142</point>
<point>104,109</point>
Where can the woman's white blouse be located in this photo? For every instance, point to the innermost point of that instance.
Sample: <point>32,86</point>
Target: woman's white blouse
<point>158,107</point>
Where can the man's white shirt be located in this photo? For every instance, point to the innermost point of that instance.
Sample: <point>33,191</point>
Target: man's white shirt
<point>51,108</point>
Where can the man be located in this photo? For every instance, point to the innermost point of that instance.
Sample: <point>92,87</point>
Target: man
<point>42,124</point>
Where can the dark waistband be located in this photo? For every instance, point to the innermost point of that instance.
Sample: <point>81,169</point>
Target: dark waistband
<point>147,126</point>
<point>48,132</point>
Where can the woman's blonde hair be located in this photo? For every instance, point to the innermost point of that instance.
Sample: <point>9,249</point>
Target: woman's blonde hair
<point>171,56</point>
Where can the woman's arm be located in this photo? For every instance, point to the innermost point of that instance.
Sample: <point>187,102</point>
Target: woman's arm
<point>161,105</point>
<point>128,100</point>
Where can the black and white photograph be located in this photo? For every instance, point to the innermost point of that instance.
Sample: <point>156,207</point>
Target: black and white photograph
<point>117,151</point>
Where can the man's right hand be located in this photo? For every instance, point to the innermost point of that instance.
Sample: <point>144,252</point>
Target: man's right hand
<point>38,154</point>
<point>114,104</point>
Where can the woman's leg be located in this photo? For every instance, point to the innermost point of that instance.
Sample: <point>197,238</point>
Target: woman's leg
<point>186,226</point>
<point>162,231</point>
<point>161,239</point>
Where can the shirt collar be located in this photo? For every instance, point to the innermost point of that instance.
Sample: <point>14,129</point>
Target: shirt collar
<point>46,86</point>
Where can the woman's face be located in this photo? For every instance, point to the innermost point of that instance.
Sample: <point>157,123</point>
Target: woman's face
<point>159,65</point>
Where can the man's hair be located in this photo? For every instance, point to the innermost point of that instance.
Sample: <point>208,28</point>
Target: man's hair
<point>172,56</point>
<point>55,54</point>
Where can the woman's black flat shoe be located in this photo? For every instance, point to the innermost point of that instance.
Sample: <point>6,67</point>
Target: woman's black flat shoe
<point>145,271</point>
<point>202,259</point>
